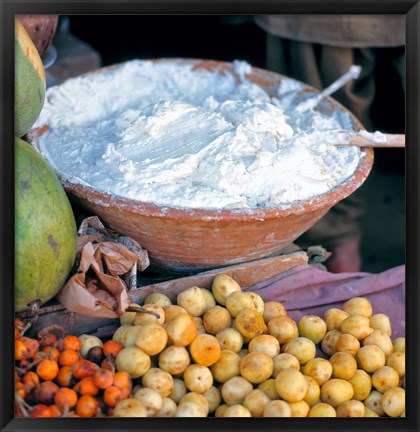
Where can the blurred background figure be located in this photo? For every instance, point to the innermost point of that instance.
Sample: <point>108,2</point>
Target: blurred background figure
<point>318,49</point>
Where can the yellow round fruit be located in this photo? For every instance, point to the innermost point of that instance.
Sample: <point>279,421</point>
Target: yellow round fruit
<point>172,311</point>
<point>299,409</point>
<point>362,384</point>
<point>266,344</point>
<point>152,338</point>
<point>157,315</point>
<point>150,399</point>
<point>174,359</point>
<point>230,339</point>
<point>329,342</point>
<point>334,317</point>
<point>249,323</point>
<point>399,344</point>
<point>356,325</point>
<point>370,413</point>
<point>179,390</point>
<point>291,385</point>
<point>312,327</point>
<point>393,402</point>
<point>385,378</point>
<point>158,299</point>
<point>302,348</point>
<point>221,409</point>
<point>381,322</point>
<point>273,309</point>
<point>129,408</point>
<point>196,398</point>
<point>205,349</point>
<point>256,367</point>
<point>237,411</point>
<point>226,367</point>
<point>238,301</point>
<point>223,285</point>
<point>193,301</point>
<point>322,409</point>
<point>168,408</point>
<point>198,378</point>
<point>284,361</point>
<point>120,331</point>
<point>348,343</point>
<point>358,306</point>
<point>213,397</point>
<point>277,408</point>
<point>313,393</point>
<point>370,358</point>
<point>200,326</point>
<point>380,339</point>
<point>133,361</point>
<point>344,365</point>
<point>235,389</point>
<point>374,402</point>
<point>319,369</point>
<point>351,408</point>
<point>269,388</point>
<point>397,361</point>
<point>127,318</point>
<point>181,330</point>
<point>216,319</point>
<point>336,391</point>
<point>129,336</point>
<point>209,299</point>
<point>159,380</point>
<point>283,328</point>
<point>190,409</point>
<point>255,401</point>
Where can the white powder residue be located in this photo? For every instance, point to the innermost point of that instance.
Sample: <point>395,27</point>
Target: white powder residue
<point>169,135</point>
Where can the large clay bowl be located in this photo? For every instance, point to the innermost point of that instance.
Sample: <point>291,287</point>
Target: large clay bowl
<point>192,240</point>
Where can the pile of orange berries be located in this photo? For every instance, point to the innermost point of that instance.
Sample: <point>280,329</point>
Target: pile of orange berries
<point>53,379</point>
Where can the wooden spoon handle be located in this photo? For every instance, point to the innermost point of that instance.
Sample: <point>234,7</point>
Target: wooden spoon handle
<point>392,141</point>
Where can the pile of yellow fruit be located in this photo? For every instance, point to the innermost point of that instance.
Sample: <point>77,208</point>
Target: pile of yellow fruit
<point>227,353</point>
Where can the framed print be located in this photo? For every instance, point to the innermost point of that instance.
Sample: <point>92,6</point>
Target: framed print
<point>209,213</point>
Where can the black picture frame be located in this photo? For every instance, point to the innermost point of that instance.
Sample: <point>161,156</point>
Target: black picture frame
<point>8,8</point>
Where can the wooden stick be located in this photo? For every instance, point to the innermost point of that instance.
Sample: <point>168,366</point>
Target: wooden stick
<point>392,141</point>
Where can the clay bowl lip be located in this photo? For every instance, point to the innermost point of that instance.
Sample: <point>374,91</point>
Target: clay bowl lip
<point>268,80</point>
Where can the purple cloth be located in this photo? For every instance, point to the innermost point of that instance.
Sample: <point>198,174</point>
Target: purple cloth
<point>306,290</point>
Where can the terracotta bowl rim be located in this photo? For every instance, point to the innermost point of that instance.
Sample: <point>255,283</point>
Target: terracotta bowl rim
<point>328,199</point>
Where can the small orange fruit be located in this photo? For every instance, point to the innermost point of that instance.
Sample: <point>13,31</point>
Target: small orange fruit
<point>103,378</point>
<point>72,342</point>
<point>112,395</point>
<point>84,368</point>
<point>55,411</point>
<point>86,386</point>
<point>68,358</point>
<point>87,406</point>
<point>112,347</point>
<point>47,369</point>
<point>20,390</point>
<point>41,410</point>
<point>65,397</point>
<point>122,380</point>
<point>65,377</point>
<point>20,350</point>
<point>32,346</point>
<point>31,380</point>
